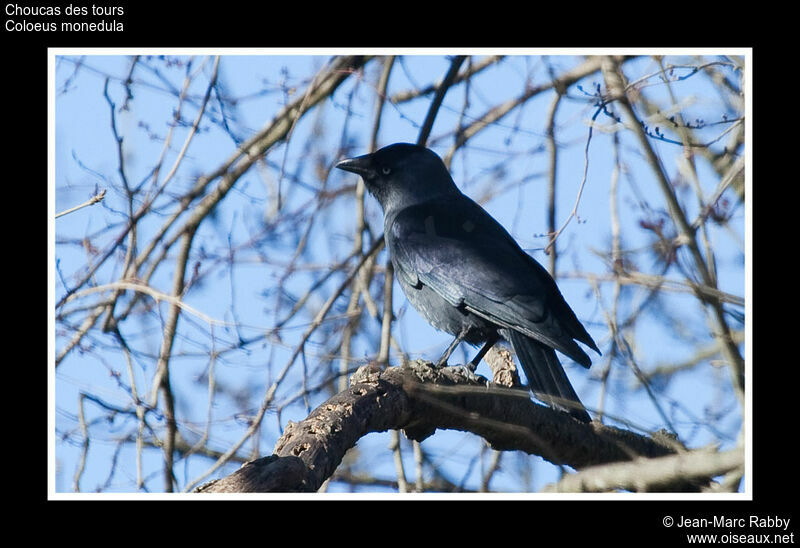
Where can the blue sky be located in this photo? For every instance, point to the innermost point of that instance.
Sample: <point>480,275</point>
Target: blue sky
<point>491,165</point>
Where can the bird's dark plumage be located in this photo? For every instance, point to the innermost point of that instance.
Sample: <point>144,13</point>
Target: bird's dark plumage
<point>466,275</point>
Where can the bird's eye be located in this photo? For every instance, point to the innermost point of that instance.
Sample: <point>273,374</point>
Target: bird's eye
<point>386,170</point>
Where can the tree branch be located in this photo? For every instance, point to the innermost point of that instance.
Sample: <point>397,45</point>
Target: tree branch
<point>91,201</point>
<point>658,474</point>
<point>614,81</point>
<point>419,399</point>
<point>433,110</point>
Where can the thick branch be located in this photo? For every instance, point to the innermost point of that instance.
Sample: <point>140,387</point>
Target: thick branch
<point>419,398</point>
<point>659,474</point>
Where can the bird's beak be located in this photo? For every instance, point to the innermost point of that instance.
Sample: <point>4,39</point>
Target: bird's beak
<point>360,165</point>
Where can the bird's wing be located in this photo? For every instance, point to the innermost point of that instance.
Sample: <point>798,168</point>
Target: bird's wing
<point>458,250</point>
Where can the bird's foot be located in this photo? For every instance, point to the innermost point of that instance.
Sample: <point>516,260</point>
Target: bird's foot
<point>468,371</point>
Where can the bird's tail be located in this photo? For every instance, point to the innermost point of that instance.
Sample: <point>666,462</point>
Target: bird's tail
<point>546,377</point>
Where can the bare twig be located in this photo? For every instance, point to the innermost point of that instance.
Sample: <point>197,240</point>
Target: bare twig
<point>552,150</point>
<point>91,201</point>
<point>614,81</point>
<point>441,90</point>
<point>270,393</point>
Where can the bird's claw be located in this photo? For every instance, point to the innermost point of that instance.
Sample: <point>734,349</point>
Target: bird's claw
<point>469,372</point>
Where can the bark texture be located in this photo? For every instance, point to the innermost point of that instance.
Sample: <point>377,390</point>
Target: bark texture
<point>419,398</point>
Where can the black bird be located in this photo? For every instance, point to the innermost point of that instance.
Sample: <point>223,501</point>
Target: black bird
<point>467,276</point>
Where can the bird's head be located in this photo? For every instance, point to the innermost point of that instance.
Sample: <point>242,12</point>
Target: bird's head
<point>402,174</point>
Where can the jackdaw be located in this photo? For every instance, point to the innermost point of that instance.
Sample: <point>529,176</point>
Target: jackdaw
<point>467,276</point>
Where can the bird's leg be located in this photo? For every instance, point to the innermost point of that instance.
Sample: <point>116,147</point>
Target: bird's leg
<point>443,360</point>
<point>473,365</point>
